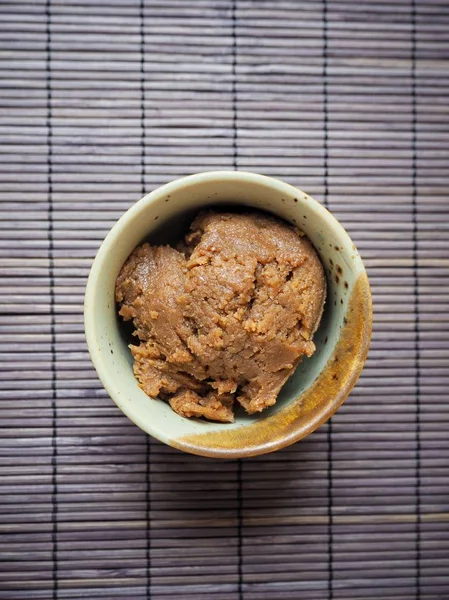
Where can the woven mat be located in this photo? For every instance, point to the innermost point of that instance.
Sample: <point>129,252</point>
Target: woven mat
<point>103,101</point>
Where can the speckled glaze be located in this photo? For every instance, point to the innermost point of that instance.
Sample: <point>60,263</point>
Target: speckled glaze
<point>319,385</point>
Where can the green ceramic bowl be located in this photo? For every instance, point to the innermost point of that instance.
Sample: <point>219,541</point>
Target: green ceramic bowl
<point>319,385</point>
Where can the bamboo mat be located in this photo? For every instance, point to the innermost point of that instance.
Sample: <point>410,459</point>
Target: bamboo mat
<point>103,101</point>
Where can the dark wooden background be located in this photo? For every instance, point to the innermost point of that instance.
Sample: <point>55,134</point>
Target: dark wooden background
<point>103,101</point>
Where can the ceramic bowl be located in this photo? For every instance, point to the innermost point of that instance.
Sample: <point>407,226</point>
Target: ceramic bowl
<point>319,385</point>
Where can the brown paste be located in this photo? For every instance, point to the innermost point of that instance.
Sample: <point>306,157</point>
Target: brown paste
<point>226,317</point>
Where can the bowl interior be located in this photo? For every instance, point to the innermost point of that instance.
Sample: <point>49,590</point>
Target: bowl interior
<point>163,217</point>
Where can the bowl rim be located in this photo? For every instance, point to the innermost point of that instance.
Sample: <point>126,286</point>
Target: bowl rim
<point>109,383</point>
